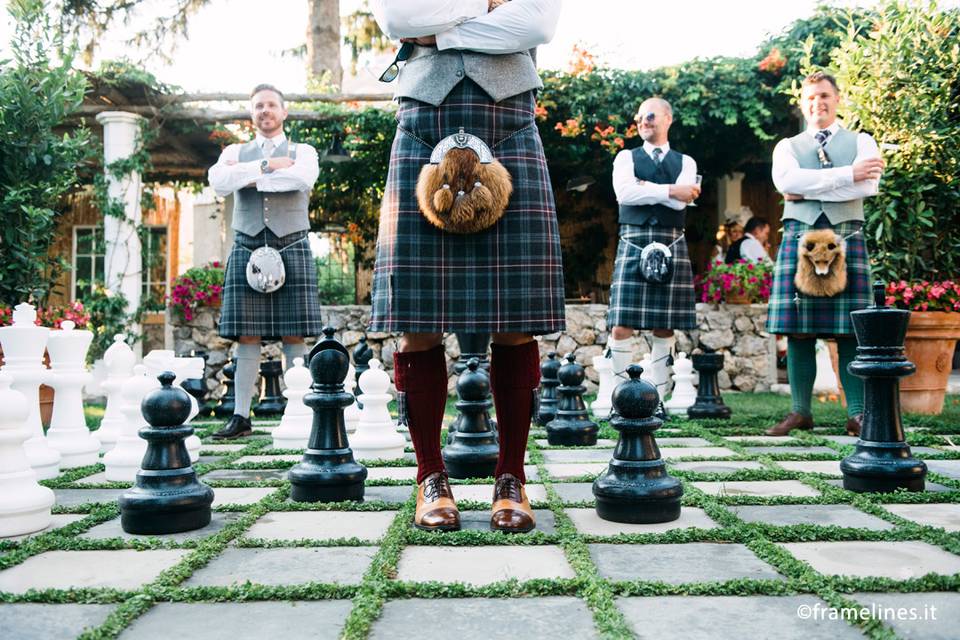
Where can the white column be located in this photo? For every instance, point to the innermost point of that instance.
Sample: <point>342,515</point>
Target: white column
<point>729,196</point>
<point>123,261</point>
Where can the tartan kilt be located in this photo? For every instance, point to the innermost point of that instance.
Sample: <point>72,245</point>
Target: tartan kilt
<point>292,310</point>
<point>791,312</point>
<point>643,305</point>
<point>508,278</point>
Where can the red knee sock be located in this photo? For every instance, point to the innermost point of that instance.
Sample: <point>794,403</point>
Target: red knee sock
<point>514,375</point>
<point>422,377</point>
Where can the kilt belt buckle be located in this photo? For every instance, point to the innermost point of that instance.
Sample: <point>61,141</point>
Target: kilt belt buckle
<point>463,189</point>
<point>656,261</point>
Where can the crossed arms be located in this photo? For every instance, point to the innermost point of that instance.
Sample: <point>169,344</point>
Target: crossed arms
<point>229,175</point>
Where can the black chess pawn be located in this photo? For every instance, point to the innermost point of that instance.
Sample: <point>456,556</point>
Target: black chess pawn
<point>167,497</point>
<point>473,452</point>
<point>197,387</point>
<point>882,461</point>
<point>362,354</point>
<point>635,487</point>
<point>572,426</point>
<point>328,472</point>
<point>548,389</point>
<point>272,402</point>
<point>709,403</point>
<point>472,345</point>
<point>228,401</point>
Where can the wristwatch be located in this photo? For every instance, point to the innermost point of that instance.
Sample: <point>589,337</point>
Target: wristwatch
<point>265,166</point>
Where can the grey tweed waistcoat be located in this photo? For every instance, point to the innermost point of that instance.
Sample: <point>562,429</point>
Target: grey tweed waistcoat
<point>283,212</point>
<point>842,149</point>
<point>430,74</point>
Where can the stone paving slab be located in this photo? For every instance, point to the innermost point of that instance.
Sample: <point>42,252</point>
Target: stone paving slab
<point>543,443</point>
<point>392,473</point>
<point>763,439</point>
<point>730,618</point>
<point>97,478</point>
<point>321,525</point>
<point>715,466</point>
<point>285,566</point>
<point>945,516</point>
<point>482,565</point>
<point>680,563</point>
<point>562,456</point>
<point>112,529</point>
<point>949,468</point>
<point>221,448</point>
<point>828,467</point>
<point>898,560</point>
<point>305,620</point>
<point>393,495</point>
<point>574,491</point>
<point>589,523</point>
<point>120,569</point>
<point>240,495</point>
<point>285,457</point>
<point>759,488</point>
<point>480,521</point>
<point>35,621</point>
<point>484,618</point>
<point>672,441</point>
<point>702,452</point>
<point>792,450</point>
<point>575,470</point>
<point>484,492</point>
<point>937,613</point>
<point>828,515</point>
<point>246,475</point>
<point>840,439</point>
<point>929,487</point>
<point>58,521</point>
<point>76,497</point>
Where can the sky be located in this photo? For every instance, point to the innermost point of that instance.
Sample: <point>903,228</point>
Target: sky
<point>232,44</point>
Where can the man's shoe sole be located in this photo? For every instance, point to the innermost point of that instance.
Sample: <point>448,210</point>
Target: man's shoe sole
<point>513,529</point>
<point>439,527</point>
<point>239,435</point>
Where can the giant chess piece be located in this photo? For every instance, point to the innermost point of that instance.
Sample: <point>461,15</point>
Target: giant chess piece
<point>23,345</point>
<point>684,393</point>
<point>328,471</point>
<point>474,450</point>
<point>160,360</point>
<point>294,429</point>
<point>197,386</point>
<point>602,406</point>
<point>123,461</point>
<point>709,404</point>
<point>118,360</point>
<point>271,401</point>
<point>882,461</point>
<point>167,497</point>
<point>548,389</point>
<point>351,415</point>
<point>68,432</point>
<point>376,437</point>
<point>572,426</point>
<point>472,345</point>
<point>635,488</point>
<point>228,401</point>
<point>24,504</point>
<point>362,354</point>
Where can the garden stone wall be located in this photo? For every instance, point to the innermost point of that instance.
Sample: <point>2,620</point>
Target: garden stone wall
<point>736,330</point>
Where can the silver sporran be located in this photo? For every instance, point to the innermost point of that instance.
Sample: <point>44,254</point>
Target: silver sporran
<point>656,263</point>
<point>265,270</point>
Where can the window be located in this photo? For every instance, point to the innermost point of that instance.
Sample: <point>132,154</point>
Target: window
<point>88,252</point>
<point>154,249</point>
<point>336,268</point>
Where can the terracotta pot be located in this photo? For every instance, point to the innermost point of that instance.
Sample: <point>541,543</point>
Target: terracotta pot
<point>931,339</point>
<point>735,298</point>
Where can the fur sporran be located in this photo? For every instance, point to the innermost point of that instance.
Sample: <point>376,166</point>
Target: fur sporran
<point>821,264</point>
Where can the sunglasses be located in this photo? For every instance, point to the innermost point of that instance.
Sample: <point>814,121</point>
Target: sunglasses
<point>650,117</point>
<point>393,70</point>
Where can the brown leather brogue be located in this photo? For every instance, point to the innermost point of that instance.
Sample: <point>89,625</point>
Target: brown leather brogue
<point>511,512</point>
<point>436,510</point>
<point>854,424</point>
<point>793,421</point>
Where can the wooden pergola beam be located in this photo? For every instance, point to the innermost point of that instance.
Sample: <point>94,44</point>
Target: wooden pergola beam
<point>197,115</point>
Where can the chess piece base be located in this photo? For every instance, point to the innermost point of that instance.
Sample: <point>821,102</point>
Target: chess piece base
<point>883,469</point>
<point>643,512</point>
<point>714,411</point>
<point>269,408</point>
<point>332,477</point>
<point>164,522</point>
<point>637,492</point>
<point>473,461</point>
<point>151,508</point>
<point>44,461</point>
<point>572,434</point>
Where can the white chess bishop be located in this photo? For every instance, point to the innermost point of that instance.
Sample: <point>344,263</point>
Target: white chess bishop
<point>351,414</point>
<point>293,431</point>
<point>603,405</point>
<point>24,504</point>
<point>23,346</point>
<point>123,461</point>
<point>684,393</point>
<point>68,432</point>
<point>118,361</point>
<point>160,360</point>
<point>376,436</point>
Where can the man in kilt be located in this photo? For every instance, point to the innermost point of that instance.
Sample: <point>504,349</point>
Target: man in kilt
<point>824,173</point>
<point>470,65</point>
<point>654,184</point>
<point>270,178</point>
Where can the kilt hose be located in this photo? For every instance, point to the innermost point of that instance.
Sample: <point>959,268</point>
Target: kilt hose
<point>643,305</point>
<point>507,278</point>
<point>292,310</point>
<point>791,312</point>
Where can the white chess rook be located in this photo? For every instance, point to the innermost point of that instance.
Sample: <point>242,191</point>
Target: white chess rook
<point>118,360</point>
<point>23,346</point>
<point>684,393</point>
<point>123,461</point>
<point>294,429</point>
<point>24,504</point>
<point>376,436</point>
<point>68,432</point>
<point>602,406</point>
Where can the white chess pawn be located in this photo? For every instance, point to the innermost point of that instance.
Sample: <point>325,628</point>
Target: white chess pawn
<point>293,432</point>
<point>647,364</point>
<point>24,504</point>
<point>602,406</point>
<point>123,461</point>
<point>68,432</point>
<point>160,360</point>
<point>684,393</point>
<point>351,414</point>
<point>376,436</point>
<point>118,361</point>
<point>23,346</point>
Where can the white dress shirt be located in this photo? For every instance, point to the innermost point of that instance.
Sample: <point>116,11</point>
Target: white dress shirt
<point>230,175</point>
<point>831,185</point>
<point>752,249</point>
<point>515,26</point>
<point>630,190</point>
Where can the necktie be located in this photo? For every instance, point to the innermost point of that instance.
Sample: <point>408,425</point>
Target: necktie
<point>657,153</point>
<point>268,148</point>
<point>822,136</point>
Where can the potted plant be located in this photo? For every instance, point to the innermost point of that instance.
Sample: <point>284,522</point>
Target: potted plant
<point>744,282</point>
<point>195,288</point>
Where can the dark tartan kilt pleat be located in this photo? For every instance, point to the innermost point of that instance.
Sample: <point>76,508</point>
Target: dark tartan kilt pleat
<point>642,305</point>
<point>791,312</point>
<point>292,310</point>
<point>508,278</point>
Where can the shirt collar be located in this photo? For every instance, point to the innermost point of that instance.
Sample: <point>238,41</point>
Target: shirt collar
<point>750,235</point>
<point>833,128</point>
<point>277,140</point>
<point>665,147</point>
